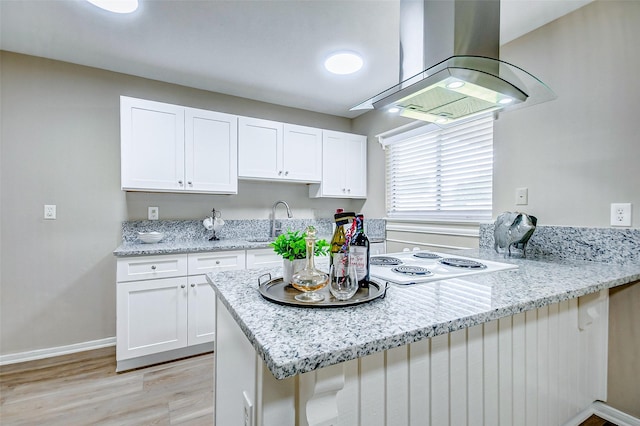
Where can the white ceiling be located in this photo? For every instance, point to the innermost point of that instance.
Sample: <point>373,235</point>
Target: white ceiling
<point>267,50</point>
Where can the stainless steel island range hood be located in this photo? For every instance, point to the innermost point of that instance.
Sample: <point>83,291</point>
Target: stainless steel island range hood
<point>462,39</point>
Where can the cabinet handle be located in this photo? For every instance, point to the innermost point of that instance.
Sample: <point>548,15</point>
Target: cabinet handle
<point>182,286</point>
<point>153,267</point>
<point>180,182</point>
<point>190,183</point>
<point>193,285</point>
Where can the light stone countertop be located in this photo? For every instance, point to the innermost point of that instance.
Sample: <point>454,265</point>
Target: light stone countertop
<point>186,246</point>
<point>295,340</point>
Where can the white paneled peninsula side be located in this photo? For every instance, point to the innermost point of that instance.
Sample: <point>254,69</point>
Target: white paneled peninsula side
<point>525,346</point>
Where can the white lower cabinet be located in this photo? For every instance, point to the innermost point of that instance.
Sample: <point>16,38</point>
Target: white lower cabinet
<point>151,317</point>
<point>165,307</point>
<point>263,258</point>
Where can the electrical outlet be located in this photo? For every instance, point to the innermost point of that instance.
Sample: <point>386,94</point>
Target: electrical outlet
<point>153,213</point>
<point>50,211</point>
<point>621,214</point>
<point>522,196</point>
<point>248,409</point>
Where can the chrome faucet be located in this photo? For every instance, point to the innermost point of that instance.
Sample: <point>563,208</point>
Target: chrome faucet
<point>275,231</point>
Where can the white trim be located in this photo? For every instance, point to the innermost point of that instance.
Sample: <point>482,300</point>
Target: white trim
<point>56,351</point>
<point>606,412</point>
<point>418,243</point>
<point>421,229</point>
<point>399,131</point>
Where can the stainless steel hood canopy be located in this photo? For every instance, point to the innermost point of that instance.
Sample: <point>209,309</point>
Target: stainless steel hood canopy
<point>462,39</point>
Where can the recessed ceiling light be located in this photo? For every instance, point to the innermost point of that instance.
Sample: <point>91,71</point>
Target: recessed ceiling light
<point>505,101</point>
<point>116,6</point>
<point>393,110</point>
<point>343,63</point>
<point>441,120</point>
<point>455,85</point>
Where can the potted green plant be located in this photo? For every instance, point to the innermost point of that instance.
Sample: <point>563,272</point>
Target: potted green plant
<point>291,245</point>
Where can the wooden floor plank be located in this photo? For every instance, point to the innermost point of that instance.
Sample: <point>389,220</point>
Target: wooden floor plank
<point>84,389</point>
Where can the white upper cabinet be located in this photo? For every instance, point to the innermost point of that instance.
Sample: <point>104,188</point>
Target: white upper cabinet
<point>269,150</point>
<point>344,166</point>
<point>170,148</point>
<point>211,151</point>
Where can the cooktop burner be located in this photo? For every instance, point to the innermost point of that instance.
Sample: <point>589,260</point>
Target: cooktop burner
<point>425,255</point>
<point>385,261</point>
<point>412,270</point>
<point>462,263</point>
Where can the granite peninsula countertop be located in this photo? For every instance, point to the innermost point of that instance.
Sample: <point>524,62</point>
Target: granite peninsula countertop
<point>294,340</point>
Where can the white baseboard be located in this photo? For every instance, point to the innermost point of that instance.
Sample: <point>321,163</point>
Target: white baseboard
<point>57,351</point>
<point>606,412</point>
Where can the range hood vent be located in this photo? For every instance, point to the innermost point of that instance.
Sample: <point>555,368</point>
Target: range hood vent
<point>462,38</point>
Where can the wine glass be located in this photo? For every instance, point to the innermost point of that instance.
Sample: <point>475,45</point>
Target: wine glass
<point>343,281</point>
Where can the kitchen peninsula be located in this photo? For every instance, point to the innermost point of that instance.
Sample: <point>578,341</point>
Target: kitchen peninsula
<point>509,347</point>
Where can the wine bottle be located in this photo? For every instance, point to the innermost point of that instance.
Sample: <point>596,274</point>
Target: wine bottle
<point>338,240</point>
<point>359,252</point>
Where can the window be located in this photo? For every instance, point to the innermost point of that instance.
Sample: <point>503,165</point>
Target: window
<point>441,173</point>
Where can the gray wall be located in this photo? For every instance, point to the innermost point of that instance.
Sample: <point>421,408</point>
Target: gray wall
<point>578,153</point>
<point>61,145</point>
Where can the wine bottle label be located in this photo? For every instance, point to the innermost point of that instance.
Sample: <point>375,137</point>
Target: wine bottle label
<point>358,258</point>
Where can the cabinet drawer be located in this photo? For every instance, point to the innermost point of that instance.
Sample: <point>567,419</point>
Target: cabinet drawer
<point>202,263</point>
<point>263,258</point>
<point>151,267</point>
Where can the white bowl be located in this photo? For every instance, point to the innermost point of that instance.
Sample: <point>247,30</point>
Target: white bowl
<point>150,237</point>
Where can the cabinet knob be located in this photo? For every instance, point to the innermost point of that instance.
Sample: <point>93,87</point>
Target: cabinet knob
<point>153,267</point>
<point>182,286</point>
<point>344,189</point>
<point>190,183</point>
<point>217,262</point>
<point>286,173</point>
<point>349,190</point>
<point>193,285</point>
<point>280,173</point>
<point>180,182</point>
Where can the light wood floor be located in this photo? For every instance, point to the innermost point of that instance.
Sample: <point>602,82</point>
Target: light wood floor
<point>83,389</point>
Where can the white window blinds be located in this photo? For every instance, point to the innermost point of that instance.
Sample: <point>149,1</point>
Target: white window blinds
<point>441,174</point>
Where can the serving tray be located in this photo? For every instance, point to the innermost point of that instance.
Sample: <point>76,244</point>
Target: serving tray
<point>275,290</point>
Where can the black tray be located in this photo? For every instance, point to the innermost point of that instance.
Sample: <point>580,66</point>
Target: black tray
<point>275,290</point>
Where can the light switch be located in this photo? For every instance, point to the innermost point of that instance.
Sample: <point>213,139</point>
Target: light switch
<point>522,196</point>
<point>50,211</point>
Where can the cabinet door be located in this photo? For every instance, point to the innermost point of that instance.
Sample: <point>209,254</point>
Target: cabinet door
<point>355,151</point>
<point>201,311</point>
<point>211,152</point>
<point>259,148</point>
<point>302,153</point>
<point>344,166</point>
<point>152,145</point>
<point>151,317</point>
<point>333,165</point>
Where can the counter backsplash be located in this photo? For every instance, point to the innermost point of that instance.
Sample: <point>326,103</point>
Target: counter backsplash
<point>610,245</point>
<point>185,230</point>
